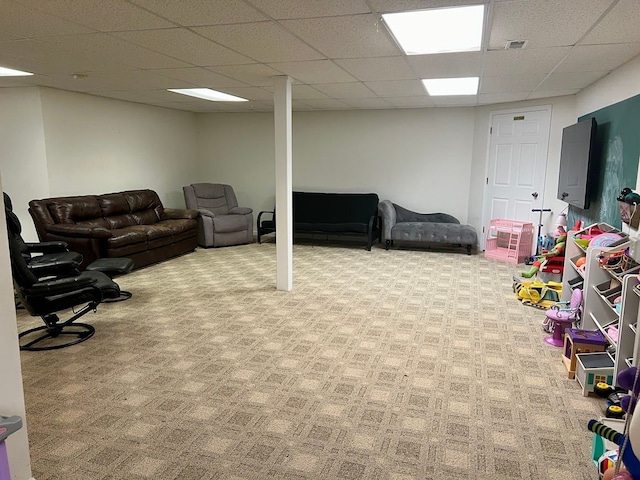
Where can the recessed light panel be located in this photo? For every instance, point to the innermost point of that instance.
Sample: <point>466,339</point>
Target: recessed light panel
<point>9,72</point>
<point>451,86</point>
<point>208,94</point>
<point>440,30</point>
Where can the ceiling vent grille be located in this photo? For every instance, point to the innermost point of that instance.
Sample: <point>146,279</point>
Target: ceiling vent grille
<point>515,44</point>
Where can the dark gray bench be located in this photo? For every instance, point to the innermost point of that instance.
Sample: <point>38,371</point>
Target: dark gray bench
<point>400,224</point>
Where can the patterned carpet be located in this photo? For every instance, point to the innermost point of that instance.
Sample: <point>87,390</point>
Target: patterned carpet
<point>378,365</point>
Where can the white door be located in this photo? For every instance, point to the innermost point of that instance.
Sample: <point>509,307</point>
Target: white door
<point>517,166</point>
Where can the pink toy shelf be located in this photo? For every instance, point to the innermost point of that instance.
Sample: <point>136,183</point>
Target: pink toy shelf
<point>509,240</point>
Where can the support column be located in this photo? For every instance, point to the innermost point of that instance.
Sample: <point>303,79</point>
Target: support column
<point>12,397</point>
<point>284,205</point>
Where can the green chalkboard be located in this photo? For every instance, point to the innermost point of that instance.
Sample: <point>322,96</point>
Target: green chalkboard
<point>617,151</point>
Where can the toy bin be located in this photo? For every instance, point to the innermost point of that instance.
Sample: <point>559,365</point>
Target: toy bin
<point>509,240</point>
<point>592,368</point>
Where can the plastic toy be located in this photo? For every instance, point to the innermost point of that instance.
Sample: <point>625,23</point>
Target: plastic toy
<point>537,293</point>
<point>545,256</point>
<point>563,315</point>
<point>630,439</point>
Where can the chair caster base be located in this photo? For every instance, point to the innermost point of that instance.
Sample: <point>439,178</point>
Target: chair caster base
<point>81,332</point>
<point>124,295</point>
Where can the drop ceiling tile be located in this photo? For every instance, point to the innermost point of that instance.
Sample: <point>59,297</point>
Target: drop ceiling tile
<point>280,9</point>
<point>523,62</point>
<point>102,15</point>
<point>106,48</point>
<point>40,56</point>
<point>263,42</point>
<point>421,101</point>
<point>397,88</point>
<point>250,93</point>
<point>345,37</point>
<point>198,13</point>
<point>378,103</point>
<point>619,26</point>
<point>185,45</point>
<point>378,69</point>
<point>510,83</point>
<point>327,104</point>
<point>305,92</point>
<point>199,77</point>
<point>126,95</point>
<point>315,71</point>
<point>544,23</point>
<point>556,93</point>
<point>604,57</point>
<point>256,74</point>
<point>461,101</point>
<point>388,6</point>
<point>20,21</point>
<point>115,80</point>
<point>465,64</point>
<point>489,98</point>
<point>570,80</point>
<point>346,90</point>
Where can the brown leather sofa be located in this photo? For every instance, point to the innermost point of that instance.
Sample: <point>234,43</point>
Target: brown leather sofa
<point>131,224</point>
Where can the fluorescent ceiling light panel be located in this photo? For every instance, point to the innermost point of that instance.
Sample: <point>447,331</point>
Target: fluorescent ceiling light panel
<point>440,30</point>
<point>208,94</point>
<point>8,72</point>
<point>451,86</point>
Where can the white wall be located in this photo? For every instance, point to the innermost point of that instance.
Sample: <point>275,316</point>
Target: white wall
<point>23,161</point>
<point>97,145</point>
<point>12,397</point>
<point>418,158</point>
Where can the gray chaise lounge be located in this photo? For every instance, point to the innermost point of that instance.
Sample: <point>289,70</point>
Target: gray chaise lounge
<point>400,224</point>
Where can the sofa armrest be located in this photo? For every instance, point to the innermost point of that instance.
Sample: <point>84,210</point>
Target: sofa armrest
<point>78,231</point>
<point>179,213</point>
<point>388,213</point>
<point>240,210</point>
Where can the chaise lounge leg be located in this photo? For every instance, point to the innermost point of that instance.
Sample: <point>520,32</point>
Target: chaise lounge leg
<point>387,244</point>
<point>468,249</point>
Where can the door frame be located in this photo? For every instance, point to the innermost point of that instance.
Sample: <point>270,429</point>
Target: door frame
<point>485,190</point>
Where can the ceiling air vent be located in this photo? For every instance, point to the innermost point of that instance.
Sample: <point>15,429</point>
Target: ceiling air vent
<point>515,44</point>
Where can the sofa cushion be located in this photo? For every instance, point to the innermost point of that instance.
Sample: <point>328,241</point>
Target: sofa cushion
<point>404,215</point>
<point>332,227</point>
<point>74,209</point>
<point>434,232</point>
<point>113,204</point>
<point>211,196</point>
<point>229,223</point>
<point>127,236</point>
<point>139,200</point>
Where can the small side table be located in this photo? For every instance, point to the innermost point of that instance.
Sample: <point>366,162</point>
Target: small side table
<point>580,341</point>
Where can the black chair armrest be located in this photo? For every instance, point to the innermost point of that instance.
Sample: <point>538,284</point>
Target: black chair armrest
<point>61,285</point>
<point>47,247</point>
<point>271,212</point>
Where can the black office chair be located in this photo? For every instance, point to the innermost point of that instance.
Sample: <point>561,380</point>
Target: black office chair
<point>43,258</point>
<point>44,298</point>
<point>266,225</point>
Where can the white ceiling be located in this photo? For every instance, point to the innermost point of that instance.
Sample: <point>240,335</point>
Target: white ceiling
<point>337,52</point>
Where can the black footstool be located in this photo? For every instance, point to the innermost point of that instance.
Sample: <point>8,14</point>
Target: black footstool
<point>113,267</point>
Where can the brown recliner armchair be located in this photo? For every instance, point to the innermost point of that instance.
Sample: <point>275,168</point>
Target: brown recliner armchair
<point>222,222</point>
